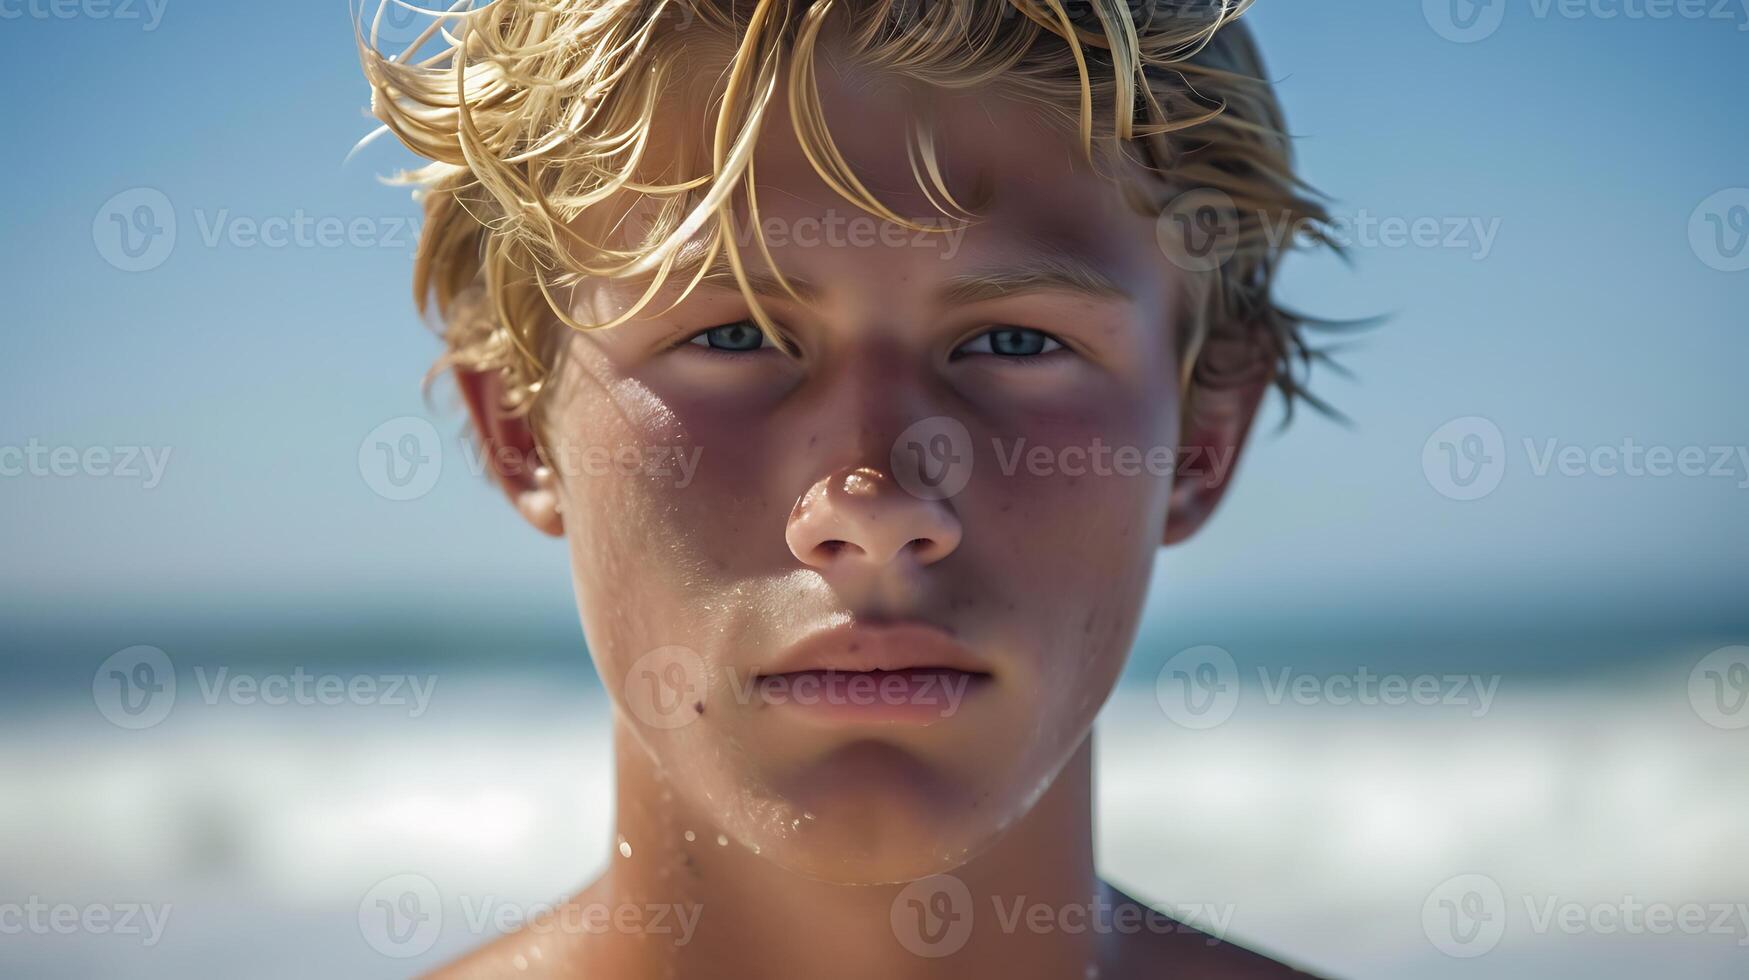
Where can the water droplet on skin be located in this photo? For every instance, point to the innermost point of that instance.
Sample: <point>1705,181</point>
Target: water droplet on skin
<point>722,840</point>
<point>520,962</point>
<point>690,836</point>
<point>625,848</point>
<point>534,953</point>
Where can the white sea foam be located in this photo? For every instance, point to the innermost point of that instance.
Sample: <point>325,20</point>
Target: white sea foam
<point>1324,830</point>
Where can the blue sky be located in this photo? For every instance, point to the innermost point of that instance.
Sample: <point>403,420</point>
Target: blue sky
<point>1562,158</point>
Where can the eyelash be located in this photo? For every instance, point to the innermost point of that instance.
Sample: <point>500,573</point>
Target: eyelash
<point>701,339</point>
<point>1051,343</point>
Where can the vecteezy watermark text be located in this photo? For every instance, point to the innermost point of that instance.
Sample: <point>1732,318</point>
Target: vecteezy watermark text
<point>671,686</point>
<point>1469,21</point>
<point>37,917</point>
<point>300,687</point>
<point>1468,915</point>
<point>1466,459</point>
<point>137,230</point>
<point>149,13</point>
<point>837,229</point>
<point>1199,687</point>
<point>402,459</point>
<point>144,463</point>
<point>935,916</point>
<point>403,915</point>
<point>934,458</point>
<point>136,688</point>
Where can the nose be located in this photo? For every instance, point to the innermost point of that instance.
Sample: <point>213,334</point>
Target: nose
<point>861,516</point>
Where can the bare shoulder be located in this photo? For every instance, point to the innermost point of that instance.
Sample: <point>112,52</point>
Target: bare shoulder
<point>1168,946</point>
<point>522,954</point>
<point>556,943</point>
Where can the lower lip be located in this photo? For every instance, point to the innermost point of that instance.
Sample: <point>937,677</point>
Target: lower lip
<point>917,696</point>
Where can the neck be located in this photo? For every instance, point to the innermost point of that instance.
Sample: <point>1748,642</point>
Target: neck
<point>731,914</point>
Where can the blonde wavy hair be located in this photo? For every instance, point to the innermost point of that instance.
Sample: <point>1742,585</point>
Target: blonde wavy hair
<point>534,112</point>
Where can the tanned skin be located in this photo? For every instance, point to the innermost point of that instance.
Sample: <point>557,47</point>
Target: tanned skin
<point>795,837</point>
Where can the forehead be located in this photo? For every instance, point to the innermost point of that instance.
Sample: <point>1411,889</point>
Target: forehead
<point>1018,168</point>
<point>1022,173</point>
<point>986,144</point>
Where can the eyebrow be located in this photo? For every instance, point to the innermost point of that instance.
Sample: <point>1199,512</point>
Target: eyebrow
<point>1053,271</point>
<point>1050,270</point>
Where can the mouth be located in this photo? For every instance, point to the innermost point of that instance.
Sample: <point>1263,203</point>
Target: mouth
<point>901,673</point>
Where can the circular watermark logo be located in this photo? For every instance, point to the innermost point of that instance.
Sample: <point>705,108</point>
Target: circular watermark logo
<point>1198,687</point>
<point>932,917</point>
<point>135,688</point>
<point>401,915</point>
<point>401,459</point>
<point>665,688</point>
<point>1465,916</point>
<point>398,23</point>
<point>1718,687</point>
<point>1465,459</point>
<point>135,231</point>
<point>1718,230</point>
<point>1199,230</point>
<point>932,458</point>
<point>1464,21</point>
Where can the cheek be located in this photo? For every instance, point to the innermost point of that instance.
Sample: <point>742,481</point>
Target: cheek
<point>628,467</point>
<point>1085,478</point>
<point>1069,514</point>
<point>1077,553</point>
<point>670,511</point>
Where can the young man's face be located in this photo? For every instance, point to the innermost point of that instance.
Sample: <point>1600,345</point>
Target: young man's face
<point>981,508</point>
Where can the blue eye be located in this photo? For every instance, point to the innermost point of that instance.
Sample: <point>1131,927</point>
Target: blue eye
<point>737,337</point>
<point>1011,342</point>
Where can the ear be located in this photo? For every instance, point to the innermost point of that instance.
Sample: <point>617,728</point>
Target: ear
<point>1229,384</point>
<point>508,444</point>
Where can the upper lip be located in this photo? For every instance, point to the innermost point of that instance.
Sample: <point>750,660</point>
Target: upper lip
<point>862,647</point>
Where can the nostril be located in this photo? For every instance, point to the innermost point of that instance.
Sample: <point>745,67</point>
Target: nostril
<point>862,520</point>
<point>927,551</point>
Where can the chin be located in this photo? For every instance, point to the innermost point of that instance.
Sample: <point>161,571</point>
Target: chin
<point>870,813</point>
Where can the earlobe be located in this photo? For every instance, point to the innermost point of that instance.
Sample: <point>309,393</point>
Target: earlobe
<point>539,503</point>
<point>507,443</point>
<point>1218,419</point>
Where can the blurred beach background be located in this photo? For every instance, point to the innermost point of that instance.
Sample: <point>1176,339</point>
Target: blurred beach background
<point>1568,763</point>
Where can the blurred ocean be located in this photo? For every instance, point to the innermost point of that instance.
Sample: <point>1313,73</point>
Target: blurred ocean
<point>1326,832</point>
